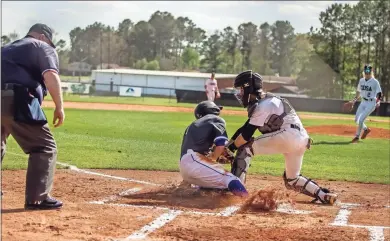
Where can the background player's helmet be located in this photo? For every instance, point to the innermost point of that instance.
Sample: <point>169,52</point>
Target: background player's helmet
<point>367,69</point>
<point>206,108</point>
<point>247,83</point>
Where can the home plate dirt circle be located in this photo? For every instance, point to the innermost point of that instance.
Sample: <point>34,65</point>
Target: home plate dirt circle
<point>101,207</point>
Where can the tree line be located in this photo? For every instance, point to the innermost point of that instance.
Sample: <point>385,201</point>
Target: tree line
<point>327,61</point>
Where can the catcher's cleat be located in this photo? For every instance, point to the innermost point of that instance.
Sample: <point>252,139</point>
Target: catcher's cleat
<point>365,133</point>
<point>355,140</point>
<point>329,198</point>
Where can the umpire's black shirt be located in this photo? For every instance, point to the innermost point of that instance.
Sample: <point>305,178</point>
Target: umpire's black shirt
<point>25,61</point>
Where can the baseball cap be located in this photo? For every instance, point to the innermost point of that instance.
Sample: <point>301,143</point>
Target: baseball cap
<point>367,69</point>
<point>45,30</point>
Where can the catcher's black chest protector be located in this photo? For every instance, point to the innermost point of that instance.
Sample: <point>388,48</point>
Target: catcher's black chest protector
<point>275,121</point>
<point>200,135</point>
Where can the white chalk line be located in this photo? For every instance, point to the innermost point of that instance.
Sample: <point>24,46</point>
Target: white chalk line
<point>342,216</point>
<point>376,233</point>
<point>154,225</point>
<point>124,193</point>
<point>287,208</point>
<point>75,168</point>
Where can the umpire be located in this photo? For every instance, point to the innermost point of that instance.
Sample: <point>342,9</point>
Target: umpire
<point>30,69</point>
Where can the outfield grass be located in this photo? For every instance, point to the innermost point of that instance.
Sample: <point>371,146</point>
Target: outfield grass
<point>84,79</point>
<point>170,102</point>
<point>151,141</point>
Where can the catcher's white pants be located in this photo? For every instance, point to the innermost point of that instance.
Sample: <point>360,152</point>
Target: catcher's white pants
<point>210,95</point>
<point>290,142</point>
<point>364,110</point>
<point>197,169</point>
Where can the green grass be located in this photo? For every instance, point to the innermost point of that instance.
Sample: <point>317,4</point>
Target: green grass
<point>151,141</point>
<point>67,78</point>
<point>171,102</point>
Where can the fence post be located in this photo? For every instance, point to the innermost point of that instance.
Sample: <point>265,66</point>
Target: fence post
<point>111,86</point>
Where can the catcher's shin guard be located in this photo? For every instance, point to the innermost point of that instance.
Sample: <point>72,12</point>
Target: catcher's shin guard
<point>310,188</point>
<point>242,162</point>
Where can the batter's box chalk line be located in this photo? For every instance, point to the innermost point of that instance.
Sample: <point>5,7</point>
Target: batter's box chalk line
<point>376,233</point>
<point>76,169</point>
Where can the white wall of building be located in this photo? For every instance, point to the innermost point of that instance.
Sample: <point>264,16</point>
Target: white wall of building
<point>151,84</point>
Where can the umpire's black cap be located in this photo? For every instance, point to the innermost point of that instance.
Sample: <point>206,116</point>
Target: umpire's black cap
<point>43,29</point>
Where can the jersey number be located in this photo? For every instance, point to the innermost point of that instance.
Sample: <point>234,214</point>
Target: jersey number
<point>369,94</point>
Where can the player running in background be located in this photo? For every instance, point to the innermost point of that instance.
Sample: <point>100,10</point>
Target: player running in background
<point>211,88</point>
<point>197,165</point>
<point>370,91</point>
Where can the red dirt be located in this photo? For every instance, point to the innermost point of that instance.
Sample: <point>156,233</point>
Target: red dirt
<point>79,220</point>
<point>109,106</point>
<point>344,130</point>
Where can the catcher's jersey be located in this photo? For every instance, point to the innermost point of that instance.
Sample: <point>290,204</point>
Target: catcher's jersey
<point>201,134</point>
<point>369,88</point>
<point>272,106</point>
<point>211,84</point>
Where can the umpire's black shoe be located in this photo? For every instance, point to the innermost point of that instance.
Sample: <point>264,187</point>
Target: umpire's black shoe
<point>49,203</point>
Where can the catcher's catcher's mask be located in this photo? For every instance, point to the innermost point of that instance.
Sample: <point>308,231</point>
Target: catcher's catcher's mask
<point>205,108</point>
<point>247,83</point>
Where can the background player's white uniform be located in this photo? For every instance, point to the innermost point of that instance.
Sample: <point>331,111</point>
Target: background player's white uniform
<point>211,87</point>
<point>291,140</point>
<point>368,91</point>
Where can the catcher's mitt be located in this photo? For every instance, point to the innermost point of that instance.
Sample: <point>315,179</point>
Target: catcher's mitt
<point>226,157</point>
<point>348,107</point>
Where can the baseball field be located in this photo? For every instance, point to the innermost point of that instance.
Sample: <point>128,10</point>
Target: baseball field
<point>118,178</point>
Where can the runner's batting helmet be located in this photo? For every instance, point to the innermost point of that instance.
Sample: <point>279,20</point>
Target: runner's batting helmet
<point>205,108</point>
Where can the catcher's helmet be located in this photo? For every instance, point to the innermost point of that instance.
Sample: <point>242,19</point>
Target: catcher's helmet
<point>247,83</point>
<point>206,108</point>
<point>367,69</point>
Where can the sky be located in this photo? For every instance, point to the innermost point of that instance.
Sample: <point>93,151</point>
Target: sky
<point>63,16</point>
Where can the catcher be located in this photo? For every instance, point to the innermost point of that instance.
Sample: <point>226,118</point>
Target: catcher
<point>283,133</point>
<point>198,165</point>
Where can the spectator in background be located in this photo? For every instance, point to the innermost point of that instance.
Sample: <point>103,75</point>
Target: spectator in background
<point>211,88</point>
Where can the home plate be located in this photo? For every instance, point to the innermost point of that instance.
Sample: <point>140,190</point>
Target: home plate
<point>287,208</point>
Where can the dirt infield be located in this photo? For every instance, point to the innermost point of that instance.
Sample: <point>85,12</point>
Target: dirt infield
<point>124,209</point>
<point>344,130</point>
<point>109,106</point>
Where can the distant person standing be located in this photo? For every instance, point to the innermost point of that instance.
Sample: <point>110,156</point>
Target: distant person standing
<point>370,91</point>
<point>29,68</point>
<point>211,87</point>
